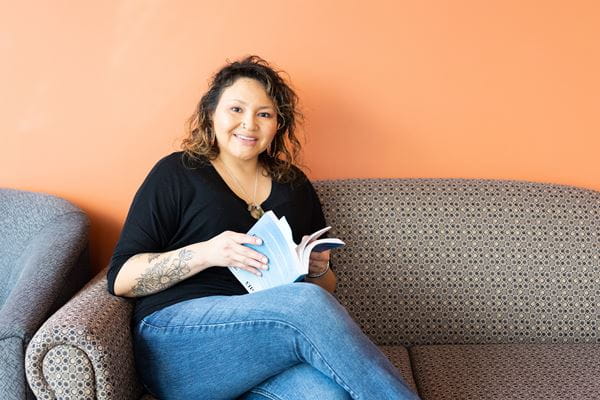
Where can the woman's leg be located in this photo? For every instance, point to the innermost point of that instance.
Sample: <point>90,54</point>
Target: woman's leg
<point>220,347</point>
<point>300,382</point>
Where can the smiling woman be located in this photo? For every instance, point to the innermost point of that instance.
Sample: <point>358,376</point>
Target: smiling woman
<point>264,88</point>
<point>186,225</point>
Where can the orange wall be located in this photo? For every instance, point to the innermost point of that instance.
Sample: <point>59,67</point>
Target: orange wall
<point>93,93</point>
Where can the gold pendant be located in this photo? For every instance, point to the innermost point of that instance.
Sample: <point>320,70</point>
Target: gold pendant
<point>255,211</point>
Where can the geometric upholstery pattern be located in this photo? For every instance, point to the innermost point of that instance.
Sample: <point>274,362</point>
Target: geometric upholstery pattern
<point>71,364</point>
<point>510,269</point>
<point>456,261</point>
<point>399,356</point>
<point>508,371</point>
<point>92,329</point>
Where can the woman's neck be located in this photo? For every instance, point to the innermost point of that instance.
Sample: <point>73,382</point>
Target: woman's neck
<point>241,168</point>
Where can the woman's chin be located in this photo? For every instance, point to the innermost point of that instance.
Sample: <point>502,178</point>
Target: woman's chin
<point>245,155</point>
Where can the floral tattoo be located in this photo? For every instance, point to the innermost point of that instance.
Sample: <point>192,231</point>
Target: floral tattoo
<point>163,274</point>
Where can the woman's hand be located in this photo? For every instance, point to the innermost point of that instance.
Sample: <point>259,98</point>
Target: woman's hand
<point>227,250</point>
<point>318,262</point>
<point>316,266</point>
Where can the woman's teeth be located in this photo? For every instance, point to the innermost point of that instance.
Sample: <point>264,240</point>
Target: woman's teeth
<point>246,138</point>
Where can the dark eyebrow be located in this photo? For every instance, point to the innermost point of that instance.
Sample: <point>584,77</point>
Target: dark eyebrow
<point>261,107</point>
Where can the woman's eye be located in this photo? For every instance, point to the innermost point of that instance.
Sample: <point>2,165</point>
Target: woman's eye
<point>265,114</point>
<point>236,109</point>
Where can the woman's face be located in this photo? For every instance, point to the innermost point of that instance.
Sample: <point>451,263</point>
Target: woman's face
<point>245,120</point>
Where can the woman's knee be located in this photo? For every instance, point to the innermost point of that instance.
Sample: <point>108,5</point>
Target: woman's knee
<point>301,381</point>
<point>309,297</point>
<point>306,303</point>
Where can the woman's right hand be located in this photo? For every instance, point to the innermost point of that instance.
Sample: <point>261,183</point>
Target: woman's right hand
<point>227,250</point>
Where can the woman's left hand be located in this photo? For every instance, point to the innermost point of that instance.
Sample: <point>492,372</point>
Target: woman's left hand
<point>318,262</point>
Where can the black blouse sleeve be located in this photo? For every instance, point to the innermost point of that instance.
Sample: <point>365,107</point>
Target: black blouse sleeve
<point>151,219</point>
<point>318,219</point>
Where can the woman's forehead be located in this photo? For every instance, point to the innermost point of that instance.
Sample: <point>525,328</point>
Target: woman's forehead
<point>248,91</point>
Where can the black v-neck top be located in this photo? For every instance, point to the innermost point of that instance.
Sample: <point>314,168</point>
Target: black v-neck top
<point>181,203</point>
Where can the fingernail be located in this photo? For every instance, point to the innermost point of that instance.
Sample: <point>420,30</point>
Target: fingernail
<point>258,241</point>
<point>264,260</point>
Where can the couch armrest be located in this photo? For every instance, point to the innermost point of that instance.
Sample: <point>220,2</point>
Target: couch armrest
<point>85,349</point>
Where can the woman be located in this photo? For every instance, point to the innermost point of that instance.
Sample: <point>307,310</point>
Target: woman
<point>198,334</point>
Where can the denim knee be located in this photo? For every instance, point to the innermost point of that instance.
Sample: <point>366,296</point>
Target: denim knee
<point>309,296</point>
<point>307,303</point>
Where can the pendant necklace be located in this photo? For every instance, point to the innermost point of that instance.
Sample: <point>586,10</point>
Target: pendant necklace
<point>255,210</point>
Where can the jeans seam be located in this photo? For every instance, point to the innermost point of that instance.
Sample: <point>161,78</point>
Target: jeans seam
<point>285,323</point>
<point>266,393</point>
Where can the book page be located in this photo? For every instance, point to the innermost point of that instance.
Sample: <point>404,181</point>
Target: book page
<point>306,240</point>
<point>318,246</point>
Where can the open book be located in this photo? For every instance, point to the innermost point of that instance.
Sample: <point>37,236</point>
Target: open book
<point>288,262</point>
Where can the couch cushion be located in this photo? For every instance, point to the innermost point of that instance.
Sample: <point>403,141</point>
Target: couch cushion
<point>398,355</point>
<point>434,261</point>
<point>507,371</point>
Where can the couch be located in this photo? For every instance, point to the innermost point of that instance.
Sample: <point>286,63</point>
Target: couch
<point>475,289</point>
<point>43,262</point>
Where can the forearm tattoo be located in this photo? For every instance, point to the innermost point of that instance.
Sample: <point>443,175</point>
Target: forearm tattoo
<point>163,274</point>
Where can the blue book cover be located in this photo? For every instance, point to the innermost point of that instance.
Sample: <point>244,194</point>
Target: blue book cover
<point>287,261</point>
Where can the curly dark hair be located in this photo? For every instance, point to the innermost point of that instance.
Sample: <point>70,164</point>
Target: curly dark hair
<point>279,161</point>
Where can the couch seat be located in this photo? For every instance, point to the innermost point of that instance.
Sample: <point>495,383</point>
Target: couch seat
<point>507,371</point>
<point>398,355</point>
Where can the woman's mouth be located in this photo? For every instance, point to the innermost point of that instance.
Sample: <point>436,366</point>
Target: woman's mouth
<point>245,139</point>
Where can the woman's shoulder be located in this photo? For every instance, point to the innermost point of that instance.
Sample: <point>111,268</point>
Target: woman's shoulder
<point>181,162</point>
<point>300,180</point>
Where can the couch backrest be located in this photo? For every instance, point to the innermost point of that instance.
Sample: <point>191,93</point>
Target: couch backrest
<point>433,261</point>
<point>22,215</point>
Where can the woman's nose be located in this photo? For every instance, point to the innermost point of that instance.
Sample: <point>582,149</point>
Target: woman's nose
<point>248,122</point>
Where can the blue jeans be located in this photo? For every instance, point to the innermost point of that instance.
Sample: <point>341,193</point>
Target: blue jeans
<point>290,342</point>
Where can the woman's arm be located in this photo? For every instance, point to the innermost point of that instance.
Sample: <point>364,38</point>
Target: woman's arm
<point>327,281</point>
<point>148,273</point>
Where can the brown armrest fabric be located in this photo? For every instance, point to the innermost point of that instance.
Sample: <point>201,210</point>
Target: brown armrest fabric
<point>93,325</point>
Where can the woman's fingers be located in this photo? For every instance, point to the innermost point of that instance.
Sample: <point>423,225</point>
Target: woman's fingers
<point>242,238</point>
<point>250,259</point>
<point>245,255</point>
<point>227,249</point>
<point>245,268</point>
<point>320,256</point>
<point>318,261</point>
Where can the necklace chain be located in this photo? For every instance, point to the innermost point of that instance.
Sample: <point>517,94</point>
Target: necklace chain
<point>255,210</point>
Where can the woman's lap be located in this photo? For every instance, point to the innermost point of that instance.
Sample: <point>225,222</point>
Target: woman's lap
<point>221,347</point>
<point>228,344</point>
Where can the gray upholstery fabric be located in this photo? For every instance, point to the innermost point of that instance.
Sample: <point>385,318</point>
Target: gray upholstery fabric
<point>43,261</point>
<point>427,261</point>
<point>22,215</point>
<point>11,369</point>
<point>432,261</point>
<point>508,371</point>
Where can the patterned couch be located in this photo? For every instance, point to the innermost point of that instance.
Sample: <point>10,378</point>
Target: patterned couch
<point>475,289</point>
